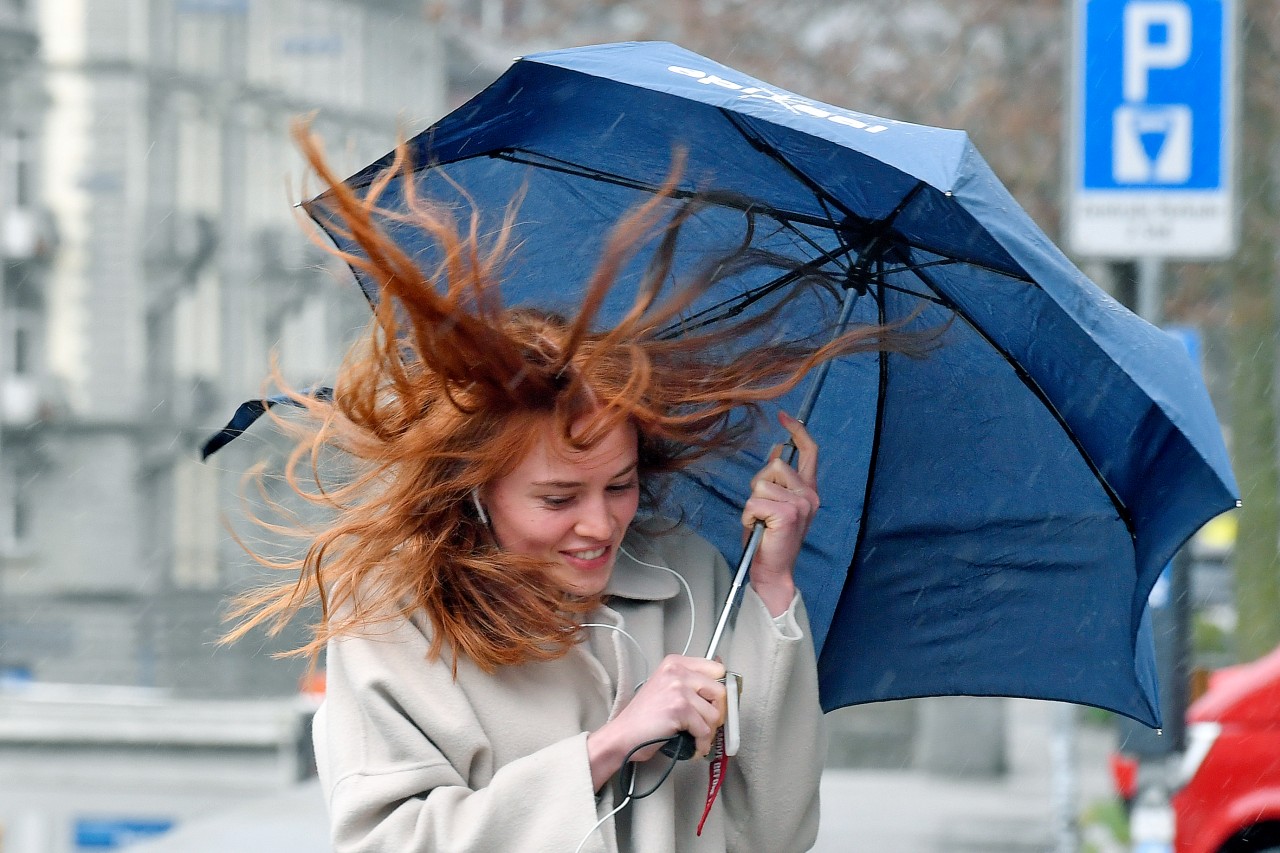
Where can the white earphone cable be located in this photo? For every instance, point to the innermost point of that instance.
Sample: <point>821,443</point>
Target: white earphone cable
<point>643,659</point>
<point>693,613</point>
<point>688,592</point>
<point>626,801</point>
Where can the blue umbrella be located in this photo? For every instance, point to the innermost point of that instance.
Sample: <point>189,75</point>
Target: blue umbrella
<point>994,515</point>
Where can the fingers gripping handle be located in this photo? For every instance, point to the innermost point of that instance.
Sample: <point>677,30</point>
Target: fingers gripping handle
<point>682,746</point>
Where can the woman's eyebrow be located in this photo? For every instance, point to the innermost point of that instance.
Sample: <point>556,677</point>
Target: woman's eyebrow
<point>626,471</point>
<point>569,484</point>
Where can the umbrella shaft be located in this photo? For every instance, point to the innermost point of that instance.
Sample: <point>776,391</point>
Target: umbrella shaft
<point>748,554</point>
<point>788,456</point>
<point>820,376</point>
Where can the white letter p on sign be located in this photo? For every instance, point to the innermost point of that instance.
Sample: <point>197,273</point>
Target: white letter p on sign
<point>1143,52</point>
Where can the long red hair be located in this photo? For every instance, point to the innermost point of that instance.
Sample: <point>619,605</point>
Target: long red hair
<point>447,388</point>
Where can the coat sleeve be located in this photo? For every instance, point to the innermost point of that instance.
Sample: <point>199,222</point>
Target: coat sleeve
<point>771,786</point>
<point>396,742</point>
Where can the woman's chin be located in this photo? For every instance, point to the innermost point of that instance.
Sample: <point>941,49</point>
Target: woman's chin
<point>586,584</point>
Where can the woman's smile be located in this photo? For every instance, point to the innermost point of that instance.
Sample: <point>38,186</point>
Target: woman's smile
<point>588,557</point>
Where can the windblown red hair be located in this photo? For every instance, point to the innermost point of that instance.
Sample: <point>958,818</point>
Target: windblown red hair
<point>448,387</point>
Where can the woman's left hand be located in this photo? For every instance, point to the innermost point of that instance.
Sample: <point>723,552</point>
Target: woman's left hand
<point>785,499</point>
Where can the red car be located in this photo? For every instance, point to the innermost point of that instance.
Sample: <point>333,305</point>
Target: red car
<point>1229,800</point>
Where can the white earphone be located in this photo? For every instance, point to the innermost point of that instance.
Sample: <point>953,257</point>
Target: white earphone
<point>475,499</point>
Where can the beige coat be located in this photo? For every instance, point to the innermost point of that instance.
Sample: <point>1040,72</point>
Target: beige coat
<point>412,760</point>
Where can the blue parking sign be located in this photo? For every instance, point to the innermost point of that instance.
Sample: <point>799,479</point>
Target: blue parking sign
<point>1152,128</point>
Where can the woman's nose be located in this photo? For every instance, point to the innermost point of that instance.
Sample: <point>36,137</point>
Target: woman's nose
<point>595,522</point>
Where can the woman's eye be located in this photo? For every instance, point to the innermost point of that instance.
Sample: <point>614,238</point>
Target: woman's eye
<point>555,501</point>
<point>624,487</point>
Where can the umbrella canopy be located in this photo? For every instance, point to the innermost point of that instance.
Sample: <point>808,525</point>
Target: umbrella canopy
<point>994,515</point>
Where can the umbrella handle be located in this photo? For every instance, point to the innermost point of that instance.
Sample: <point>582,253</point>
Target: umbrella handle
<point>681,746</point>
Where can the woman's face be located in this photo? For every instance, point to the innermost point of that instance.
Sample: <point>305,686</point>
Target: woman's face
<point>569,508</point>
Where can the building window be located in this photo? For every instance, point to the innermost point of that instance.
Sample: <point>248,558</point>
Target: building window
<point>22,188</point>
<point>15,521</point>
<point>21,520</point>
<point>21,351</point>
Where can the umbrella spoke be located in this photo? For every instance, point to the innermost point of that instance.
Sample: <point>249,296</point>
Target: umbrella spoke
<point>933,298</point>
<point>819,192</point>
<point>727,200</point>
<point>856,277</point>
<point>877,229</point>
<point>945,260</point>
<point>942,262</point>
<point>790,220</point>
<point>736,305</point>
<point>815,245</point>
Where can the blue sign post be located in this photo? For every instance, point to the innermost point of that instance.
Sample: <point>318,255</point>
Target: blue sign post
<point>1152,138</point>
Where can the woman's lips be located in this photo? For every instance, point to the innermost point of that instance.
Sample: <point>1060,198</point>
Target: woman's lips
<point>589,559</point>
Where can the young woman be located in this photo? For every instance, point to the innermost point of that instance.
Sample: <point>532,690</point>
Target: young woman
<point>508,626</point>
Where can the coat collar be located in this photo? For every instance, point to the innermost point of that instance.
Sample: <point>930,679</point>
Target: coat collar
<point>632,579</point>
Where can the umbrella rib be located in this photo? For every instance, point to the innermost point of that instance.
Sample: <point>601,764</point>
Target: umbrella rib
<point>936,299</point>
<point>737,304</point>
<point>879,227</point>
<point>825,198</point>
<point>1025,279</point>
<point>935,296</point>
<point>943,262</point>
<point>786,218</point>
<point>753,139</point>
<point>1034,387</point>
<point>740,303</point>
<point>882,359</point>
<point>744,204</point>
<point>814,244</point>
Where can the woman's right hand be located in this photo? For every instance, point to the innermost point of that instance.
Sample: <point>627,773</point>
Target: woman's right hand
<point>684,694</point>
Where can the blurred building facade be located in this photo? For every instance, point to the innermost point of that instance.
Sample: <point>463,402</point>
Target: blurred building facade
<point>25,248</point>
<point>162,153</point>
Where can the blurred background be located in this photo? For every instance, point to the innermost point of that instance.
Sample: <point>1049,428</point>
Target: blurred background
<point>152,262</point>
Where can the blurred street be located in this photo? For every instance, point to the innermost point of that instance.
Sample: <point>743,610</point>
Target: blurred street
<point>915,811</point>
